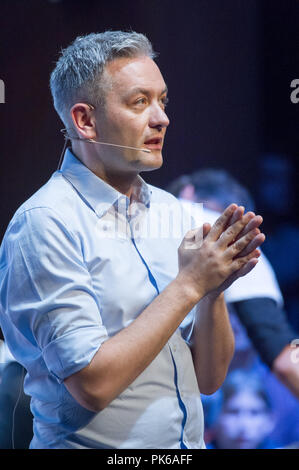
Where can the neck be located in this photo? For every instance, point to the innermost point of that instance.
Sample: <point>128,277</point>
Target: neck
<point>121,181</point>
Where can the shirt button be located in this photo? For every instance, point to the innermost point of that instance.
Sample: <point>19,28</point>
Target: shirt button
<point>174,348</point>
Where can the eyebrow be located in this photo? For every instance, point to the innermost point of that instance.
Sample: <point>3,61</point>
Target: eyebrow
<point>144,91</point>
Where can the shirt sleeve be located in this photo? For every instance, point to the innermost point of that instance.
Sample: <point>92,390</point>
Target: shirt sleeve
<point>48,293</point>
<point>267,326</point>
<point>258,283</point>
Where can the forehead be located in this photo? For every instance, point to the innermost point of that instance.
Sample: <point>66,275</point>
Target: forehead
<point>128,74</point>
<point>246,400</point>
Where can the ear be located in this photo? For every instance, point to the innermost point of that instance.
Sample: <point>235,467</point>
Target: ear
<point>83,118</point>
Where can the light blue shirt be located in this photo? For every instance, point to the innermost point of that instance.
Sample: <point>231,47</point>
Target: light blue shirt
<point>78,264</point>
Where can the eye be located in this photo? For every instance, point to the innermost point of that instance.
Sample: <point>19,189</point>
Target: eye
<point>164,101</point>
<point>141,101</point>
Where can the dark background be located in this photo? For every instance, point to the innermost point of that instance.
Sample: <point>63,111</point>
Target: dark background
<point>228,65</point>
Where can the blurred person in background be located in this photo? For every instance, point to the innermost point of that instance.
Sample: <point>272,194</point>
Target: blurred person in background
<point>257,299</point>
<point>276,196</point>
<point>16,420</point>
<point>263,335</point>
<point>244,417</point>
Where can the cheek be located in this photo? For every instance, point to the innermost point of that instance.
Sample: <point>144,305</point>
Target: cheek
<point>127,127</point>
<point>228,426</point>
<point>261,425</point>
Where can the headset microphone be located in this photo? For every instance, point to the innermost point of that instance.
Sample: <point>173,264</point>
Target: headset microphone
<point>91,141</point>
<point>116,145</point>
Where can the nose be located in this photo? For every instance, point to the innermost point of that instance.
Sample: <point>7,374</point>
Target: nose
<point>158,117</point>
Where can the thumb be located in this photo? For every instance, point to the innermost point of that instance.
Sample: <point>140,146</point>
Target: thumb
<point>201,233</point>
<point>205,229</point>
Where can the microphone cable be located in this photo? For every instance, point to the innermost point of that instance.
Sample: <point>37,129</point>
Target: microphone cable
<point>15,408</point>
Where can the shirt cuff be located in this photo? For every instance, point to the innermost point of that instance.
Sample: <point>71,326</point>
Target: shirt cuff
<point>73,351</point>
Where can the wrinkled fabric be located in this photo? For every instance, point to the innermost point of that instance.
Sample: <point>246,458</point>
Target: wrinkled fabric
<point>79,262</point>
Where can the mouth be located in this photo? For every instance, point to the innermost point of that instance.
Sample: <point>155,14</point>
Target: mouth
<point>156,143</point>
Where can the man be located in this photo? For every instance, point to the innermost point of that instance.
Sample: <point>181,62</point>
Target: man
<point>94,314</point>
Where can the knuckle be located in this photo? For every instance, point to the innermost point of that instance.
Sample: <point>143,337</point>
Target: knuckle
<point>230,232</point>
<point>240,262</point>
<point>222,272</point>
<point>219,223</point>
<point>189,234</point>
<point>237,246</point>
<point>250,256</point>
<point>209,253</point>
<point>254,232</point>
<point>248,238</point>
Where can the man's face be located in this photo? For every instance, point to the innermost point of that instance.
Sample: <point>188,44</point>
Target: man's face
<point>133,115</point>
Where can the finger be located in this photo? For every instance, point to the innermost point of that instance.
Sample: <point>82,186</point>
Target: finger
<point>188,239</point>
<point>200,234</point>
<point>240,263</point>
<point>231,233</point>
<point>193,233</point>
<point>221,223</point>
<point>236,215</point>
<point>194,237</point>
<point>240,245</point>
<point>255,222</point>
<point>190,234</point>
<point>246,268</point>
<point>255,243</point>
<point>205,229</point>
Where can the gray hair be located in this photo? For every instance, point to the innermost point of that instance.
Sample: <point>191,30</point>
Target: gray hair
<point>79,69</point>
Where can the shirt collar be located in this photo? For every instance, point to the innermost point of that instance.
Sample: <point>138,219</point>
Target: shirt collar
<point>98,194</point>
